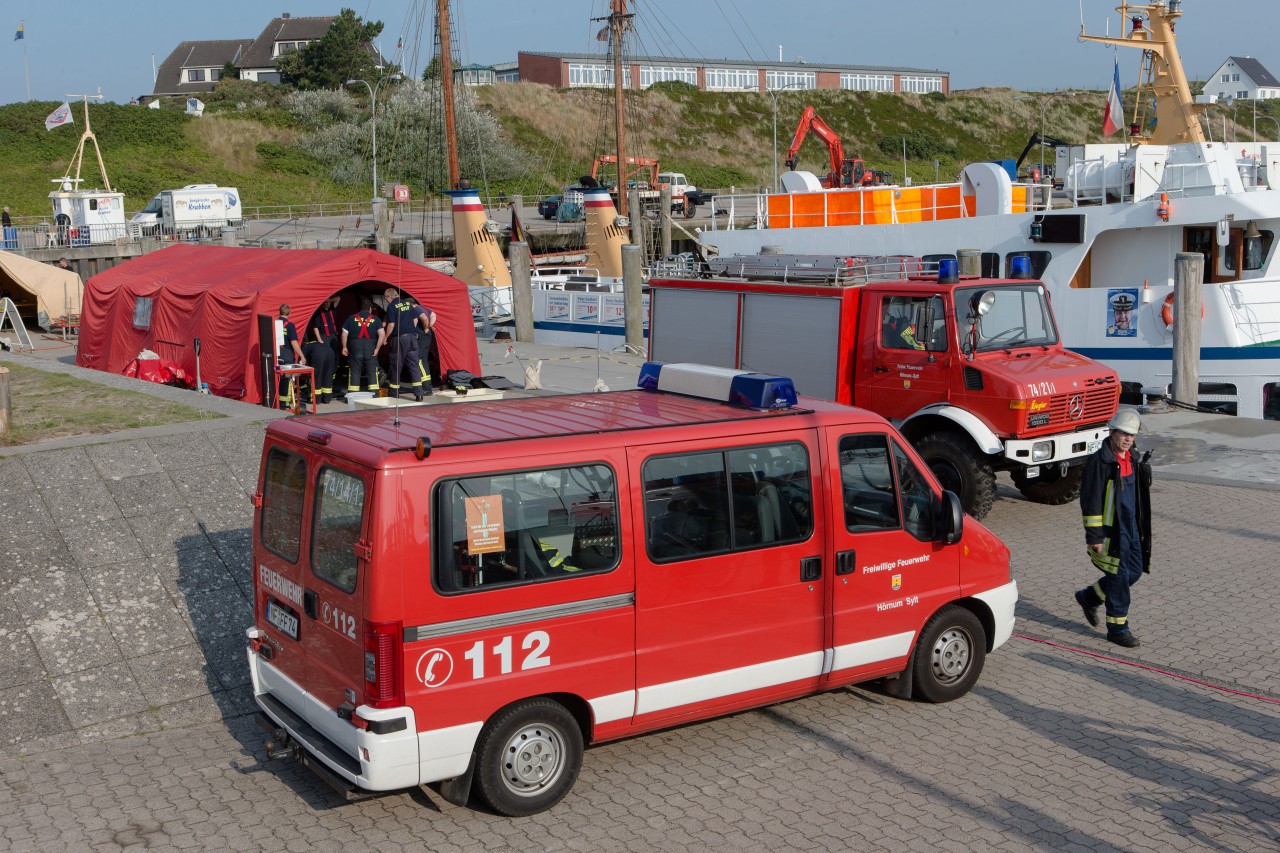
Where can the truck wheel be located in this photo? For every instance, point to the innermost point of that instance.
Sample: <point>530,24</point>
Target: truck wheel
<point>1054,490</point>
<point>690,209</point>
<point>528,757</point>
<point>960,468</point>
<point>949,655</point>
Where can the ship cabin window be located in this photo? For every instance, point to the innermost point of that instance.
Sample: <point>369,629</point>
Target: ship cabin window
<point>1224,263</point>
<point>1271,401</point>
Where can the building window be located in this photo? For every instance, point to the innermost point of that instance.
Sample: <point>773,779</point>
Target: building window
<point>1243,93</point>
<point>732,79</point>
<point>921,85</point>
<point>650,74</point>
<point>283,47</point>
<point>595,75</point>
<point>862,82</point>
<point>1226,78</point>
<point>790,80</point>
<point>1235,78</point>
<point>215,74</point>
<point>195,75</point>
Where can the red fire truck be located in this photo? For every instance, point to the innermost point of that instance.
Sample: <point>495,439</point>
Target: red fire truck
<point>970,369</point>
<point>470,594</point>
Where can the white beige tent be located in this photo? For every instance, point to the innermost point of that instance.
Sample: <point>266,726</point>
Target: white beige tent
<point>43,293</point>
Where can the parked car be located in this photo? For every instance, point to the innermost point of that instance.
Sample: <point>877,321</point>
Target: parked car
<point>548,206</point>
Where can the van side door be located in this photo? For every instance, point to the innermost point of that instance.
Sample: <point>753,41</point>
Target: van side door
<point>730,596</point>
<point>890,574</point>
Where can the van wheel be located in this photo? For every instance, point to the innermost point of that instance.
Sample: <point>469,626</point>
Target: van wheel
<point>949,656</point>
<point>1054,490</point>
<point>528,757</point>
<point>960,468</point>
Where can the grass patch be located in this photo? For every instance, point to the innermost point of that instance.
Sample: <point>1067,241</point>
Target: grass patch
<point>53,405</point>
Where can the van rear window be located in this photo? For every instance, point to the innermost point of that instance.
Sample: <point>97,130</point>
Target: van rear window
<point>504,529</point>
<point>339,517</point>
<point>283,491</point>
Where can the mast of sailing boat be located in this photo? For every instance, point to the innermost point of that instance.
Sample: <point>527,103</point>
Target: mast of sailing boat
<point>618,19</point>
<point>446,83</point>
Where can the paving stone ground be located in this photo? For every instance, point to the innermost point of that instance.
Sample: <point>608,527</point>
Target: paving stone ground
<point>124,592</point>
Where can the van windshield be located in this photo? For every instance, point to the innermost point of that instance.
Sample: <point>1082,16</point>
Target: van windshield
<point>153,206</point>
<point>1019,316</point>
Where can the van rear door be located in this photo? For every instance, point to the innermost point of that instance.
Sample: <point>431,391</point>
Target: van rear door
<point>730,596</point>
<point>890,574</point>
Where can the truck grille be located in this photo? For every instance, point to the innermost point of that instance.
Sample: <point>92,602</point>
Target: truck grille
<point>1082,408</point>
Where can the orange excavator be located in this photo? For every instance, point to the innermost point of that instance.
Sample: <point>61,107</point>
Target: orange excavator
<point>845,171</point>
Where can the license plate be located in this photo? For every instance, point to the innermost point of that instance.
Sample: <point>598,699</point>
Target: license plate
<point>1094,445</point>
<point>282,619</point>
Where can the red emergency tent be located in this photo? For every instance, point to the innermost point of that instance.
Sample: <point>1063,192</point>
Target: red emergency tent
<point>216,293</point>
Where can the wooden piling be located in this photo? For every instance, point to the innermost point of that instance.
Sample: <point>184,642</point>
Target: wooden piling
<point>1187,311</point>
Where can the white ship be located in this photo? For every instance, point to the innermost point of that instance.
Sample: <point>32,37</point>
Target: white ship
<point>1105,243</point>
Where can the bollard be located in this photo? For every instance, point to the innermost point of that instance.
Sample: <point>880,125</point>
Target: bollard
<point>637,216</point>
<point>1187,307</point>
<point>970,262</point>
<point>633,297</point>
<point>382,225</point>
<point>229,237</point>
<point>415,252</point>
<point>521,290</point>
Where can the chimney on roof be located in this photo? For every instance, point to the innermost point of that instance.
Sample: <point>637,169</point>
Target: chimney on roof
<point>285,15</point>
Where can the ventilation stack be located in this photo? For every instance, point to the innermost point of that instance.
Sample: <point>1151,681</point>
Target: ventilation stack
<point>605,237</point>
<point>475,242</point>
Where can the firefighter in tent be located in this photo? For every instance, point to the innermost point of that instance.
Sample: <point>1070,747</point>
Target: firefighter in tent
<point>404,317</point>
<point>362,336</point>
<point>320,354</point>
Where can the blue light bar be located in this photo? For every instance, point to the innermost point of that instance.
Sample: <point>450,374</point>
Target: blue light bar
<point>1020,267</point>
<point>722,384</point>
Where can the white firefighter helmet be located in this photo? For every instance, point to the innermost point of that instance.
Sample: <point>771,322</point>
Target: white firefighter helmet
<point>1126,420</point>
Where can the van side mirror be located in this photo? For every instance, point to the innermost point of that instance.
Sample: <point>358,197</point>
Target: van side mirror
<point>950,519</point>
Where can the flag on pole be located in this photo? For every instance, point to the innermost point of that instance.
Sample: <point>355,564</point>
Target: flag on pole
<point>1113,113</point>
<point>18,36</point>
<point>59,117</point>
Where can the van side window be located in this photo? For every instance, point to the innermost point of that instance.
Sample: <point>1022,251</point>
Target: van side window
<point>335,528</point>
<point>283,490</point>
<point>503,529</point>
<point>866,480</point>
<point>917,497</point>
<point>699,504</point>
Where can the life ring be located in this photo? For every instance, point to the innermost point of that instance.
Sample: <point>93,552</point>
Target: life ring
<point>1166,311</point>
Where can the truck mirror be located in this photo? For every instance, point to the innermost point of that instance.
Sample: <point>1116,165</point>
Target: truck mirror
<point>951,513</point>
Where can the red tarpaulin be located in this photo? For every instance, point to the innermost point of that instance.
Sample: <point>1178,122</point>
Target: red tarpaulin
<point>215,293</point>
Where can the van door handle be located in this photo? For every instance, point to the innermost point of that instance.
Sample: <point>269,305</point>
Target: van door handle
<point>845,562</point>
<point>810,569</point>
<point>309,603</point>
<point>879,369</point>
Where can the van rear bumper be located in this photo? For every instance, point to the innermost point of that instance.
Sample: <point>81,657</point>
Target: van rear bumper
<point>1001,602</point>
<point>366,760</point>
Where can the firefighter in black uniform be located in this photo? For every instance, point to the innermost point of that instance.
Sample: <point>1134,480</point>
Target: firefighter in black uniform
<point>320,354</point>
<point>1115,500</point>
<point>362,336</point>
<point>290,353</point>
<point>426,336</point>
<point>327,319</point>
<point>403,319</point>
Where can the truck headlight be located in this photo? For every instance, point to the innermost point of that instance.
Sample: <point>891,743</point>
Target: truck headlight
<point>1041,451</point>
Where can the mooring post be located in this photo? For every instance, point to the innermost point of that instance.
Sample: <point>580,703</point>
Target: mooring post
<point>1187,313</point>
<point>633,297</point>
<point>6,403</point>
<point>664,216</point>
<point>521,290</point>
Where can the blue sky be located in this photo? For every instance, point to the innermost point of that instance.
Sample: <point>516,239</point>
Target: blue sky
<point>75,46</point>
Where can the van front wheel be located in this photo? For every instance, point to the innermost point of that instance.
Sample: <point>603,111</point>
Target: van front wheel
<point>949,656</point>
<point>528,757</point>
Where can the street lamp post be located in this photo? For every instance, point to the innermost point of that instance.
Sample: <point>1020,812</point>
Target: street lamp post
<point>373,118</point>
<point>774,94</point>
<point>1274,121</point>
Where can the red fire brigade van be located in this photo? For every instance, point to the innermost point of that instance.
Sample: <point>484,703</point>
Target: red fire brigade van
<point>469,594</point>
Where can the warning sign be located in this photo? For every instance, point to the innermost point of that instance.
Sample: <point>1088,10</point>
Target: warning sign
<point>484,524</point>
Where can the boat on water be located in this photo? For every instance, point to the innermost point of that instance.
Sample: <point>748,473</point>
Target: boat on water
<point>1105,243</point>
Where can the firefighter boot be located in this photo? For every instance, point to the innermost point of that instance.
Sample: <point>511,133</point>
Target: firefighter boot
<point>1128,639</point>
<point>1084,599</point>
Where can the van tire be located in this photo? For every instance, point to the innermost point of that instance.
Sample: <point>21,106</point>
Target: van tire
<point>961,468</point>
<point>547,737</point>
<point>1062,490</point>
<point>949,655</point>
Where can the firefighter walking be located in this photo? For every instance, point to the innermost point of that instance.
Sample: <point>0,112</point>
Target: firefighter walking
<point>404,317</point>
<point>1115,501</point>
<point>363,334</point>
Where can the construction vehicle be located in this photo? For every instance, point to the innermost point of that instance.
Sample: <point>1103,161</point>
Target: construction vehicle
<point>1037,139</point>
<point>844,171</point>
